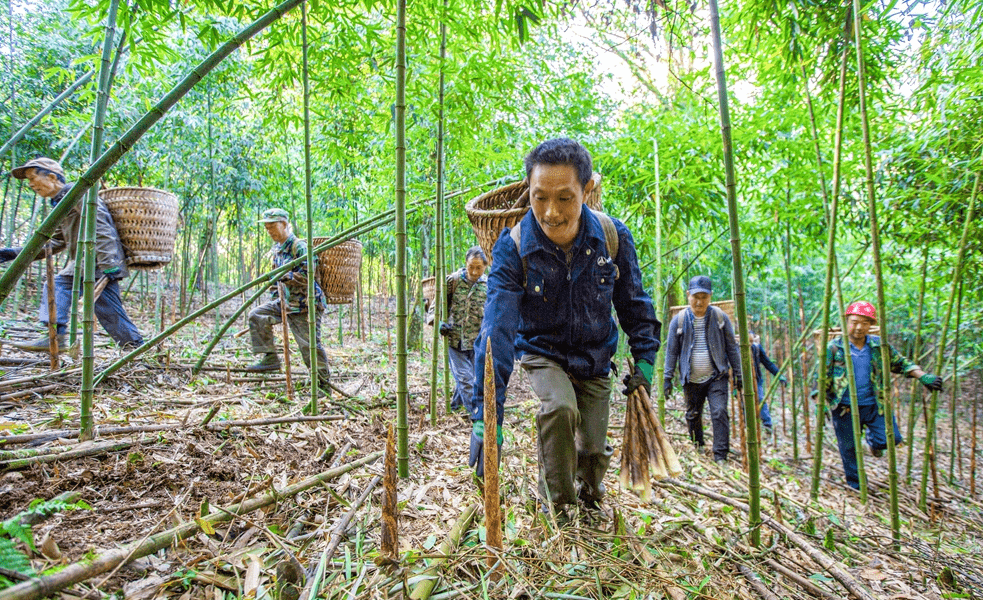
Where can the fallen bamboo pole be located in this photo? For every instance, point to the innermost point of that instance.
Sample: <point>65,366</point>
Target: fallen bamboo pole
<point>31,391</point>
<point>47,585</point>
<point>833,567</point>
<point>49,265</point>
<point>285,331</point>
<point>337,534</point>
<point>30,437</point>
<point>33,378</point>
<point>755,582</point>
<point>424,588</point>
<point>803,582</point>
<point>94,450</point>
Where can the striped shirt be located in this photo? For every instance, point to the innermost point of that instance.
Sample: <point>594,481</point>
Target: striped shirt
<point>700,365</point>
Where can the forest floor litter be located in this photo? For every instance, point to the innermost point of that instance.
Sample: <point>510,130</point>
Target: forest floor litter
<point>690,541</point>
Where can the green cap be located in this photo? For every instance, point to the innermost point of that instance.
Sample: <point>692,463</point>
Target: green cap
<point>273,215</point>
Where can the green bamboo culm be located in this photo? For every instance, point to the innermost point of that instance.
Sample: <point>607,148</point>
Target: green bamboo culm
<point>69,91</point>
<point>313,311</point>
<point>225,327</point>
<point>954,385</point>
<point>402,384</point>
<point>929,454</point>
<point>791,332</point>
<point>105,162</point>
<point>439,278</point>
<point>916,386</point>
<point>841,305</point>
<point>892,464</point>
<point>831,212</point>
<point>658,296</point>
<point>750,401</point>
<point>88,292</point>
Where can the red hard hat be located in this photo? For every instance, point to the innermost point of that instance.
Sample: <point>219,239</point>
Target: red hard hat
<point>863,309</point>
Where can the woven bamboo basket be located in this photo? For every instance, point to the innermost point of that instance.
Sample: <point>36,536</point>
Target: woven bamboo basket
<point>725,305</point>
<point>337,270</point>
<point>836,332</point>
<point>146,219</point>
<point>429,289</point>
<point>497,209</point>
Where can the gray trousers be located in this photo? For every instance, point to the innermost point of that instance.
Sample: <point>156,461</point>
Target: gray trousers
<point>462,367</point>
<point>572,426</point>
<point>265,316</point>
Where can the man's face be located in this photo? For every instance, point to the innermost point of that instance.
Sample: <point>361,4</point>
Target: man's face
<point>44,185</point>
<point>475,268</point>
<point>556,197</point>
<point>857,328</point>
<point>277,230</point>
<point>699,302</point>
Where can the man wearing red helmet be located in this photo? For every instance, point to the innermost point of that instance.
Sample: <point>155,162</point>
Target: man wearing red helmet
<point>865,351</point>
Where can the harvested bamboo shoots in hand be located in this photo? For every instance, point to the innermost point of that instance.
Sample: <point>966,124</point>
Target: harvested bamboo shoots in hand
<point>645,449</point>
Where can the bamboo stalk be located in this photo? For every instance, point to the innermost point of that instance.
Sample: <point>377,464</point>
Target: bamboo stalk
<point>69,91</point>
<point>47,585</point>
<point>803,582</point>
<point>49,266</point>
<point>285,332</point>
<point>439,271</point>
<point>221,425</point>
<point>30,391</point>
<point>96,450</point>
<point>493,507</point>
<point>755,582</point>
<point>916,386</point>
<point>309,207</point>
<point>402,380</point>
<point>787,255</point>
<point>954,386</point>
<point>425,587</point>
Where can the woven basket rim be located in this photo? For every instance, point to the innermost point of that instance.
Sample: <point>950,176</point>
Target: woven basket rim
<point>136,187</point>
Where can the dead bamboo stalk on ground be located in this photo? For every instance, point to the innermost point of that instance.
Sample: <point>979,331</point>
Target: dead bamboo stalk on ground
<point>493,506</point>
<point>337,534</point>
<point>755,582</point>
<point>32,378</point>
<point>49,266</point>
<point>48,585</point>
<point>286,338</point>
<point>833,567</point>
<point>99,431</point>
<point>30,391</point>
<point>803,582</point>
<point>93,450</point>
<point>426,586</point>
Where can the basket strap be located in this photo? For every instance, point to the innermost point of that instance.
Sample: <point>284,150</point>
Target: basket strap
<point>516,234</point>
<point>610,241</point>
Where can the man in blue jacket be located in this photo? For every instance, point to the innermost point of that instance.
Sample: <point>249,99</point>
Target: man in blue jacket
<point>701,341</point>
<point>761,359</point>
<point>553,280</point>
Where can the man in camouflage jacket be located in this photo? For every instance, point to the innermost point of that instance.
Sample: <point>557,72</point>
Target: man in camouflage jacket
<point>467,289</point>
<point>287,248</point>
<point>865,352</point>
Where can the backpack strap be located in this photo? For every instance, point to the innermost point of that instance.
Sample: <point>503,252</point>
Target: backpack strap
<point>610,242</point>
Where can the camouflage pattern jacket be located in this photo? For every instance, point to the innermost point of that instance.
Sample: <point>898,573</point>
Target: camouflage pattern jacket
<point>836,375</point>
<point>293,247</point>
<point>466,308</point>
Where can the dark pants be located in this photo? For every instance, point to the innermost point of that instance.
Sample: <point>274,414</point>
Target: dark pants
<point>876,437</point>
<point>462,367</point>
<point>765,413</point>
<point>713,391</point>
<point>265,316</point>
<point>572,426</point>
<point>108,309</point>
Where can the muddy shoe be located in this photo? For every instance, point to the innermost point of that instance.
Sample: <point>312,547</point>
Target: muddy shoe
<point>41,344</point>
<point>269,362</point>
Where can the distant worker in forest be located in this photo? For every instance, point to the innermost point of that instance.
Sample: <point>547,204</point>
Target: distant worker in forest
<point>467,289</point>
<point>286,248</point>
<point>553,280</point>
<point>760,358</point>
<point>865,352</point>
<point>701,343</point>
<point>47,178</point>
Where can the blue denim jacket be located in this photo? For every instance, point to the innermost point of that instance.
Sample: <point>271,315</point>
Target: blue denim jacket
<point>720,340</point>
<point>562,312</point>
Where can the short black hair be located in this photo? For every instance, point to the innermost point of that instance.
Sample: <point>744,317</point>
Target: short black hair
<point>475,251</point>
<point>43,171</point>
<point>562,151</point>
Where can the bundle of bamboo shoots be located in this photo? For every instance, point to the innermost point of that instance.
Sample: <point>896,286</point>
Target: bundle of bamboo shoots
<point>645,449</point>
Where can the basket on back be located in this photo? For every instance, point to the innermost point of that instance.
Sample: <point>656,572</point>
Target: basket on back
<point>429,289</point>
<point>337,270</point>
<point>725,305</point>
<point>146,219</point>
<point>503,207</point>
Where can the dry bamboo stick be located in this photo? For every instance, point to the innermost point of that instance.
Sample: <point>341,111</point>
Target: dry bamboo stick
<point>337,534</point>
<point>49,265</point>
<point>95,450</point>
<point>286,338</point>
<point>99,431</point>
<point>803,582</point>
<point>756,583</point>
<point>48,585</point>
<point>668,454</point>
<point>425,587</point>
<point>832,566</point>
<point>30,392</point>
<point>32,378</point>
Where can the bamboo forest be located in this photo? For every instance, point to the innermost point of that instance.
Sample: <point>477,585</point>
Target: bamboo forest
<point>267,265</point>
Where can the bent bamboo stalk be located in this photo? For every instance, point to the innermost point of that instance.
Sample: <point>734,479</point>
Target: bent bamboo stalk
<point>40,587</point>
<point>424,588</point>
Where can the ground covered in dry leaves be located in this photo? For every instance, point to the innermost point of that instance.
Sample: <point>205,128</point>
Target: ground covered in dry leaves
<point>320,542</point>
